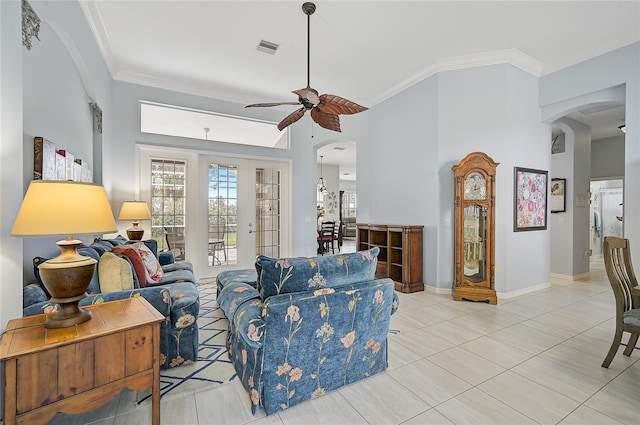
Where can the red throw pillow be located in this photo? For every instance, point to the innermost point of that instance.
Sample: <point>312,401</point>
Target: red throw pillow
<point>138,265</point>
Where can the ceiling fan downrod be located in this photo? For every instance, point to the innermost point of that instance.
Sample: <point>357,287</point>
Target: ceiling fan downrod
<point>308,8</point>
<point>326,108</point>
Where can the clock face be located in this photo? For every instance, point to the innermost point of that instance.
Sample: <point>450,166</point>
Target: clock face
<point>475,187</point>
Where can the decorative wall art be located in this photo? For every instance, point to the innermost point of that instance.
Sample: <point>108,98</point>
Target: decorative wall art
<point>50,163</point>
<point>558,196</point>
<point>332,204</point>
<point>530,203</point>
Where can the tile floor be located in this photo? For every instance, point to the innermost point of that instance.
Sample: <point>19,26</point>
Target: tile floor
<point>532,359</point>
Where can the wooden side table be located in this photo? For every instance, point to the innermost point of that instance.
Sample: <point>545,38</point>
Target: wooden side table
<point>80,368</point>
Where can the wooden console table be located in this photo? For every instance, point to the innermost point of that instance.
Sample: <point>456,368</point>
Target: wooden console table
<point>80,368</point>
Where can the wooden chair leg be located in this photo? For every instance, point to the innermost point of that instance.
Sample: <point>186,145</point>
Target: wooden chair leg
<point>614,348</point>
<point>633,340</point>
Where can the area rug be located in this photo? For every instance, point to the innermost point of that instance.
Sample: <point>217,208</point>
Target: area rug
<point>212,366</point>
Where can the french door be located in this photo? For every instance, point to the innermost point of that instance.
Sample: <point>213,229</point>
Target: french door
<point>245,213</point>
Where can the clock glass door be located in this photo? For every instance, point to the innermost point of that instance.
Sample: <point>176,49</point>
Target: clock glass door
<point>475,224</point>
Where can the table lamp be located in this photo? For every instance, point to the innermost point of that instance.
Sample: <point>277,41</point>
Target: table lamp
<point>65,208</point>
<point>134,210</point>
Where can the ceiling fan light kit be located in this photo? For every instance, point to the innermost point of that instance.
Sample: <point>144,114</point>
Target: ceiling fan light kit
<point>326,108</point>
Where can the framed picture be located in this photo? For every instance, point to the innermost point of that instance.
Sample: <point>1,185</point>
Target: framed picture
<point>530,203</point>
<point>558,196</point>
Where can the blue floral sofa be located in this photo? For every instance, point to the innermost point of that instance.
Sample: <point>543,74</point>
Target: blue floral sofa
<point>175,296</point>
<point>311,325</point>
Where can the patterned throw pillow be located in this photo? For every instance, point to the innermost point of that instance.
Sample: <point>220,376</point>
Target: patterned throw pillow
<point>115,273</point>
<point>152,267</point>
<point>286,275</point>
<point>147,266</point>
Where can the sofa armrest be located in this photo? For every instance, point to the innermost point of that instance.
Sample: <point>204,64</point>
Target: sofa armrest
<point>33,294</point>
<point>233,295</point>
<point>248,323</point>
<point>166,257</point>
<point>395,304</point>
<point>158,297</point>
<point>243,306</point>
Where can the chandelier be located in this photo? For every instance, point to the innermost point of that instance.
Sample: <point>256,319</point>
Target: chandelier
<point>322,188</point>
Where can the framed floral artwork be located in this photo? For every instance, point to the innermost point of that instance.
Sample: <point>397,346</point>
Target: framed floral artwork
<point>530,203</point>
<point>558,196</point>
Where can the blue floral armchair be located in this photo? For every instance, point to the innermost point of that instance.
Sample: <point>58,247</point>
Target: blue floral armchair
<point>311,326</point>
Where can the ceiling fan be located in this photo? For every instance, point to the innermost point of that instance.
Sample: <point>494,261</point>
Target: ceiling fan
<point>324,108</point>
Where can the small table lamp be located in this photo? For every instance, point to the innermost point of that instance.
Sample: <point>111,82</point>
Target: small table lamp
<point>134,210</point>
<point>65,208</point>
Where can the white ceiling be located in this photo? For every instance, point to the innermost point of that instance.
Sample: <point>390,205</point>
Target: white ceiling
<point>365,51</point>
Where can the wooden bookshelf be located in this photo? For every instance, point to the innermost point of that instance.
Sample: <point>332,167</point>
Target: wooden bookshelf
<point>400,257</point>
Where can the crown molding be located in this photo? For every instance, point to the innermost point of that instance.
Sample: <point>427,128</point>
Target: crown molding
<point>496,57</point>
<point>94,20</point>
<point>512,57</point>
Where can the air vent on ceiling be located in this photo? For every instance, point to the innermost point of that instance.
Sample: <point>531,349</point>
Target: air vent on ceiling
<point>267,47</point>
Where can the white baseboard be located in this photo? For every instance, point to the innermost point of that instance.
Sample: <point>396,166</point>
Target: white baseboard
<point>570,278</point>
<point>439,291</point>
<point>501,295</point>
<point>523,291</point>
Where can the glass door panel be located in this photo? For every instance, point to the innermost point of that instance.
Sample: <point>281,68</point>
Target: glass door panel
<point>222,216</point>
<point>168,211</point>
<point>268,205</point>
<point>245,204</point>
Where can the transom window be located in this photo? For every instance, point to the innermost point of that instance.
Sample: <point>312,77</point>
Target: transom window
<point>178,121</point>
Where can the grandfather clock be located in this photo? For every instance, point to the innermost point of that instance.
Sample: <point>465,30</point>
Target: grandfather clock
<point>474,235</point>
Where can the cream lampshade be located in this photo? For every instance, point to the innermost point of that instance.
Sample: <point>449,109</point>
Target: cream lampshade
<point>134,210</point>
<point>65,208</point>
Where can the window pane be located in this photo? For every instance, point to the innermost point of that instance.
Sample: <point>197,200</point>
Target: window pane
<point>168,205</point>
<point>223,214</point>
<point>268,212</point>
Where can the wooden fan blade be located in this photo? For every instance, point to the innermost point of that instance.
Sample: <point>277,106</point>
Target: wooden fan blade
<point>291,118</point>
<point>309,94</point>
<point>328,121</point>
<point>260,105</point>
<point>333,104</point>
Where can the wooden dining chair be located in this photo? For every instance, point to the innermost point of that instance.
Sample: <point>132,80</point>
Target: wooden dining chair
<point>337,233</point>
<point>325,237</point>
<point>617,262</point>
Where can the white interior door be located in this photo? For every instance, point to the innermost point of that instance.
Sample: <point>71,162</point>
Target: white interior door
<point>245,213</point>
